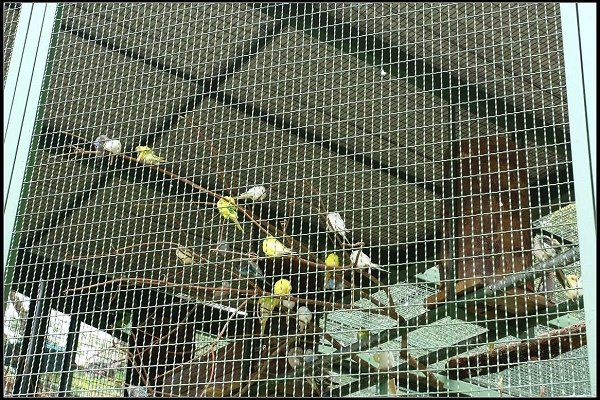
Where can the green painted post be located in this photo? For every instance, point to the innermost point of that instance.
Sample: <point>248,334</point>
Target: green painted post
<point>579,45</point>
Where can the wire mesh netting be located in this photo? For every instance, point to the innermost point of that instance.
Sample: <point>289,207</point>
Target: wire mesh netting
<point>10,18</point>
<point>298,200</point>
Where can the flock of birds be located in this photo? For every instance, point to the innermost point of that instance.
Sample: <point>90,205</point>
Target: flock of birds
<point>271,247</point>
<point>544,249</point>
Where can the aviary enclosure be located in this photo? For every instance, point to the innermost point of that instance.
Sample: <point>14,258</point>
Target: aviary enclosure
<point>294,199</point>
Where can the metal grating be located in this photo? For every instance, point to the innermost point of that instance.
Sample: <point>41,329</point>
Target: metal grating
<point>442,142</point>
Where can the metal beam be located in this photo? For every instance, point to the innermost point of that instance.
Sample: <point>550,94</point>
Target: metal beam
<point>22,95</point>
<point>578,23</point>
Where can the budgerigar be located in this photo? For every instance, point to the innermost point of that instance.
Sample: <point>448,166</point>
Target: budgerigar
<point>331,282</point>
<point>309,356</point>
<point>274,248</point>
<point>364,261</point>
<point>575,287</point>
<point>335,224</point>
<point>185,255</point>
<point>283,287</point>
<point>104,143</point>
<point>137,391</point>
<point>544,249</point>
<point>256,193</point>
<point>303,316</point>
<point>228,210</point>
<point>267,304</point>
<point>295,357</point>
<point>384,359</point>
<point>148,156</point>
<point>332,261</point>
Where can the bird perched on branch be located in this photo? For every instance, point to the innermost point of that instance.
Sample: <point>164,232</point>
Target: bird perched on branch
<point>185,255</point>
<point>303,316</point>
<point>295,357</point>
<point>544,249</point>
<point>332,261</point>
<point>274,248</point>
<point>335,223</point>
<point>148,156</point>
<point>255,193</point>
<point>575,287</point>
<point>283,287</point>
<point>384,359</point>
<point>106,144</point>
<point>228,210</point>
<point>267,305</point>
<point>363,261</point>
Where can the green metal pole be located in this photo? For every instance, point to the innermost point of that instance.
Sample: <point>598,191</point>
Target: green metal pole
<point>578,23</point>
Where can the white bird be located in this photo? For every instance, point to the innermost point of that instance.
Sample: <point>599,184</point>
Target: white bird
<point>104,143</point>
<point>274,248</point>
<point>304,316</point>
<point>295,357</point>
<point>363,261</point>
<point>309,356</point>
<point>335,224</point>
<point>545,248</point>
<point>185,255</point>
<point>384,359</point>
<point>137,391</point>
<point>255,193</point>
<point>575,287</point>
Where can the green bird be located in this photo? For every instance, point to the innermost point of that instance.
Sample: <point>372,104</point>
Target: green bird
<point>148,156</point>
<point>228,210</point>
<point>267,305</point>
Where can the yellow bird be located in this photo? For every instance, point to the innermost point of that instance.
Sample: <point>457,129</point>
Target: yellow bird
<point>332,261</point>
<point>228,210</point>
<point>283,287</point>
<point>274,248</point>
<point>267,305</point>
<point>148,156</point>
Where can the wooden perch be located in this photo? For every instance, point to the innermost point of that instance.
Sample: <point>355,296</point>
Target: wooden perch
<point>502,357</point>
<point>514,301</point>
<point>536,271</point>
